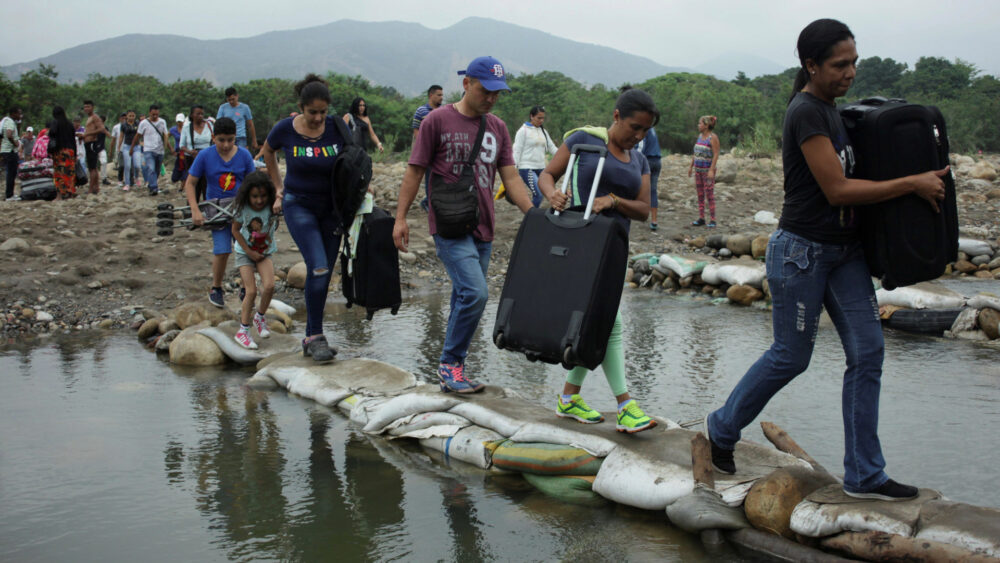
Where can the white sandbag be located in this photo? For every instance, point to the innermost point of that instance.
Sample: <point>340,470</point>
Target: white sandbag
<point>924,295</point>
<point>974,528</point>
<point>742,272</point>
<point>306,383</point>
<point>417,425</point>
<point>628,478</point>
<point>466,445</point>
<point>231,348</point>
<point>703,509</point>
<point>262,382</point>
<point>283,307</point>
<point>829,511</point>
<point>551,434</point>
<point>765,218</point>
<point>404,405</point>
<point>362,406</point>
<point>965,321</point>
<point>683,266</point>
<point>710,274</point>
<point>984,301</point>
<point>974,247</point>
<point>487,418</point>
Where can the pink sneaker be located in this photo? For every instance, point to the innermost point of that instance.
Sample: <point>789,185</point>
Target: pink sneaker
<point>244,339</point>
<point>260,323</point>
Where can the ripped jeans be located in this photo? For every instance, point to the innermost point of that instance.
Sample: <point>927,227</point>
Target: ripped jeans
<point>315,228</point>
<point>805,276</point>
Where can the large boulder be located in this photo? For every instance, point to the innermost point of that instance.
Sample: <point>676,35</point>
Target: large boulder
<point>983,170</point>
<point>726,170</point>
<point>192,349</point>
<point>193,313</point>
<point>989,321</point>
<point>744,294</point>
<point>771,500</point>
<point>758,247</point>
<point>150,328</point>
<point>739,245</point>
<point>297,276</point>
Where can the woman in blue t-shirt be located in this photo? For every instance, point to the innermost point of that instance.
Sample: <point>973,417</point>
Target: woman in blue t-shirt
<point>623,194</point>
<point>815,261</point>
<point>310,142</point>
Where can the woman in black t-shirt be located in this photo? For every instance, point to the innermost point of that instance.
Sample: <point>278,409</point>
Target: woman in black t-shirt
<point>814,260</point>
<point>360,124</point>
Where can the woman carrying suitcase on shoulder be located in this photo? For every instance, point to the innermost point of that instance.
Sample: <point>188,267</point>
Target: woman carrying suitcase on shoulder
<point>623,194</point>
<point>815,261</point>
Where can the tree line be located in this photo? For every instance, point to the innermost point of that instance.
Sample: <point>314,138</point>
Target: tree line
<point>750,111</point>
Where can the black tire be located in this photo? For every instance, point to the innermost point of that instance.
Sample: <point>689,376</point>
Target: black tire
<point>498,340</point>
<point>165,223</point>
<point>165,207</point>
<point>165,232</point>
<point>923,321</point>
<point>165,214</point>
<point>567,357</point>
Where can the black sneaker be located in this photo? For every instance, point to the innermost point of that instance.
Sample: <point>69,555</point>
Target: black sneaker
<point>217,298</point>
<point>722,459</point>
<point>318,349</point>
<point>890,491</point>
<point>699,223</point>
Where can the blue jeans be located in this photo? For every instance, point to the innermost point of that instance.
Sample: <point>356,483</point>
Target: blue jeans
<point>805,276</point>
<point>152,162</point>
<point>129,163</point>
<point>530,178</point>
<point>654,177</point>
<point>315,228</point>
<point>466,260</point>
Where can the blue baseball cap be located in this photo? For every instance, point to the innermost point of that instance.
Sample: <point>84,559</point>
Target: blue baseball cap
<point>489,71</point>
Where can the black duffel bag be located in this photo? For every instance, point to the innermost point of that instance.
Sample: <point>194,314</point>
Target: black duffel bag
<point>456,204</point>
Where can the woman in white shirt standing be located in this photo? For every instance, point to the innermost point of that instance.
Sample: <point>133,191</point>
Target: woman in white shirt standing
<point>531,144</point>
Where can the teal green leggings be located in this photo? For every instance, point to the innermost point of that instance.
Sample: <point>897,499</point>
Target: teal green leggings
<point>613,363</point>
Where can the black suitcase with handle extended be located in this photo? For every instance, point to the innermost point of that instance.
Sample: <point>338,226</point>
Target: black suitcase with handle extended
<point>564,282</point>
<point>905,240</point>
<point>371,277</point>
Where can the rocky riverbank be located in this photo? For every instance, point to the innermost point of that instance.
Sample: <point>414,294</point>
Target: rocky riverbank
<point>96,261</point>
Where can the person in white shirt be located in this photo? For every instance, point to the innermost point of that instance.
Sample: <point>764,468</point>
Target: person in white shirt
<point>531,144</point>
<point>152,134</point>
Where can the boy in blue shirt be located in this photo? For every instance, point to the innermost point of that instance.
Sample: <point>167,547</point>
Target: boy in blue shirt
<point>224,166</point>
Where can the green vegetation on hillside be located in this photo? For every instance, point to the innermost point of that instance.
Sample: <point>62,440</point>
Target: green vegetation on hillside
<point>749,110</point>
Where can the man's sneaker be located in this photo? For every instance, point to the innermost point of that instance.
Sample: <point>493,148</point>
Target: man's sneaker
<point>631,419</point>
<point>578,410</point>
<point>154,191</point>
<point>14,198</point>
<point>260,323</point>
<point>452,379</point>
<point>318,349</point>
<point>216,298</point>
<point>722,459</point>
<point>245,340</point>
<point>890,491</point>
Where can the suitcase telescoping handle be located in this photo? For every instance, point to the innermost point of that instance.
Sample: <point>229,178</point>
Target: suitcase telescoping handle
<point>600,150</point>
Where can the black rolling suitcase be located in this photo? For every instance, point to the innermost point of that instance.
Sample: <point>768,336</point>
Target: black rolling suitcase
<point>38,188</point>
<point>564,282</point>
<point>371,277</point>
<point>905,241</point>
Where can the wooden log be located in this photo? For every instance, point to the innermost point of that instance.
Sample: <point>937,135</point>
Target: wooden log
<point>781,440</point>
<point>701,460</point>
<point>880,546</point>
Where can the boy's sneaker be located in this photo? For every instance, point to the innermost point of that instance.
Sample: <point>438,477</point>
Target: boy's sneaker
<point>452,379</point>
<point>245,340</point>
<point>260,323</point>
<point>578,410</point>
<point>216,297</point>
<point>318,349</point>
<point>722,459</point>
<point>631,419</point>
<point>890,491</point>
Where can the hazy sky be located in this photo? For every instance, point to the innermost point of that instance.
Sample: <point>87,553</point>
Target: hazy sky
<point>671,32</point>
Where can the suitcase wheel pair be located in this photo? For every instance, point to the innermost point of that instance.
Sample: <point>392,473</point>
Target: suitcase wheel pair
<point>567,355</point>
<point>370,313</point>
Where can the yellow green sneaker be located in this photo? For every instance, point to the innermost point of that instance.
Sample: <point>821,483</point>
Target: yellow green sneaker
<point>631,419</point>
<point>578,410</point>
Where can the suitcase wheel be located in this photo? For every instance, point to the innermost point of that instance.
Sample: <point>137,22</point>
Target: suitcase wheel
<point>566,357</point>
<point>394,310</point>
<point>498,340</point>
<point>165,223</point>
<point>349,304</point>
<point>165,232</point>
<point>165,207</point>
<point>532,357</point>
<point>370,314</point>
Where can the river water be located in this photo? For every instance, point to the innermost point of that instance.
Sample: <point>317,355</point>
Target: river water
<point>109,453</point>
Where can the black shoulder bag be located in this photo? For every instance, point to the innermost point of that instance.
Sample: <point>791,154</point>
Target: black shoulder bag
<point>456,205</point>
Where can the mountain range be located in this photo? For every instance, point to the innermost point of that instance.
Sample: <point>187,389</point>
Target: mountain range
<point>406,56</point>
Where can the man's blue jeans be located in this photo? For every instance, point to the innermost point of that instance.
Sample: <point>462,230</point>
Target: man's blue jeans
<point>315,229</point>
<point>466,260</point>
<point>805,276</point>
<point>151,164</point>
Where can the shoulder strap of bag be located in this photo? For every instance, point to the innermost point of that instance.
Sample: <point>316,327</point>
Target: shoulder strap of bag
<point>477,145</point>
<point>344,132</point>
